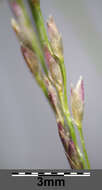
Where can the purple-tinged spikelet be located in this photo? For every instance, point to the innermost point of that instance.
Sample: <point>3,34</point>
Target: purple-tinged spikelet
<point>30,59</point>
<point>16,9</point>
<point>54,69</point>
<point>69,147</point>
<point>77,101</point>
<point>55,38</point>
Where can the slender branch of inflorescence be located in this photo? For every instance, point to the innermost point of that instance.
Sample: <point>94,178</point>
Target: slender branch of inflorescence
<point>45,60</point>
<point>38,18</point>
<point>83,145</point>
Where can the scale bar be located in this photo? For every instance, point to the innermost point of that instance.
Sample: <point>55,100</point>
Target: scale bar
<point>54,174</point>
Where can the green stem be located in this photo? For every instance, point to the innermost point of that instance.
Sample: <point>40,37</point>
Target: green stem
<point>67,115</point>
<point>81,157</point>
<point>38,18</point>
<point>63,70</point>
<point>83,146</point>
<point>35,43</point>
<point>42,85</point>
<point>71,127</point>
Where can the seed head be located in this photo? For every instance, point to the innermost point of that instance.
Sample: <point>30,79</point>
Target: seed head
<point>54,69</point>
<point>77,101</point>
<point>31,60</point>
<point>51,92</point>
<point>15,26</point>
<point>16,9</point>
<point>55,38</point>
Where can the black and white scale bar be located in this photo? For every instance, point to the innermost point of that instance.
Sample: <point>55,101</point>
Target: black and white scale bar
<point>36,174</point>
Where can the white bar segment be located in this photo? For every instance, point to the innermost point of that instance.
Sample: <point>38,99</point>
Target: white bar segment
<point>21,173</point>
<point>60,173</point>
<point>34,173</point>
<point>86,173</point>
<point>76,175</point>
<point>73,173</point>
<point>47,173</point>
